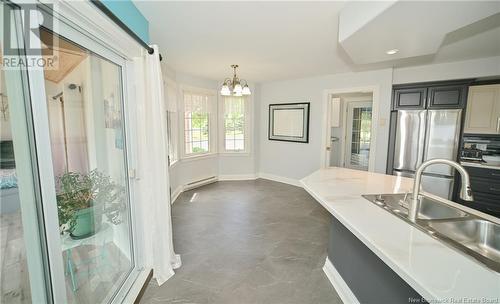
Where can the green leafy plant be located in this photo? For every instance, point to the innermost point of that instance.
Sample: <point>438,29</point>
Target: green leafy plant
<point>199,150</point>
<point>77,191</point>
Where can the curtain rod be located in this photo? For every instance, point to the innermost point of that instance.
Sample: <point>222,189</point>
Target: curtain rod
<point>122,25</point>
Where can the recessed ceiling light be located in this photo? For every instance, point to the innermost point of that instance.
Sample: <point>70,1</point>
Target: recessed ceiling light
<point>392,52</point>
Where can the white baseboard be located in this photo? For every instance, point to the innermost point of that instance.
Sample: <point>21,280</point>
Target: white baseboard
<point>176,194</point>
<point>281,179</point>
<point>344,292</point>
<point>200,182</point>
<point>237,177</point>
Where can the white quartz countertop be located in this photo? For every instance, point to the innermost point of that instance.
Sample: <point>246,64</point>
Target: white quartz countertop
<point>434,270</point>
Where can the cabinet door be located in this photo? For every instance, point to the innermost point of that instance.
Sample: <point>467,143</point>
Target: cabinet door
<point>483,110</point>
<point>412,98</point>
<point>488,174</point>
<point>447,97</point>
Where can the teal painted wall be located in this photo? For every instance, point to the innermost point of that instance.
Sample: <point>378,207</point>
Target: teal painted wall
<point>131,16</point>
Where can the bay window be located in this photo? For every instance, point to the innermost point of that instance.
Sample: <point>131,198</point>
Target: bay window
<point>197,123</point>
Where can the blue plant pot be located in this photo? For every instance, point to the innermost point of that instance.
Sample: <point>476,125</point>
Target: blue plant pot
<point>88,222</point>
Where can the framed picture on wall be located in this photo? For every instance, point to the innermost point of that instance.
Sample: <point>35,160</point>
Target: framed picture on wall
<point>289,122</point>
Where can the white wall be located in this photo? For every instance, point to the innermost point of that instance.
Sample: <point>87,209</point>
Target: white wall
<point>186,171</point>
<point>484,67</point>
<point>297,160</point>
<point>294,160</point>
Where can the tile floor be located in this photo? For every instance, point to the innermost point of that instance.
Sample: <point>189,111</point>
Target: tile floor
<point>14,278</point>
<point>248,242</point>
<point>94,279</point>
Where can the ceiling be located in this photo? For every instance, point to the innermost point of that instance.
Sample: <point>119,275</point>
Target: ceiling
<point>282,40</point>
<point>414,28</point>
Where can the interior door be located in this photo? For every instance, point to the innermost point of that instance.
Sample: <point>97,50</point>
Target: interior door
<point>334,133</point>
<point>90,240</point>
<point>358,135</point>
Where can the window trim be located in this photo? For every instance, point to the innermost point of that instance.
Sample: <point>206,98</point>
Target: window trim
<point>247,136</point>
<point>169,82</point>
<point>173,140</point>
<point>212,123</point>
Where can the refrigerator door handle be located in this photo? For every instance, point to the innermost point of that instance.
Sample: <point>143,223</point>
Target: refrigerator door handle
<point>428,122</point>
<point>422,137</point>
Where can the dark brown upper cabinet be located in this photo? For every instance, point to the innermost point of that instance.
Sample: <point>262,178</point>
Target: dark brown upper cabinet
<point>409,98</point>
<point>447,97</point>
<point>431,95</point>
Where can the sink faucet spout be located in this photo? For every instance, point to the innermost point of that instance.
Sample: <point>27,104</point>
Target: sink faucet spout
<point>465,191</point>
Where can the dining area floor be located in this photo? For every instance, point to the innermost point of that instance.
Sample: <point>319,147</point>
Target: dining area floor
<point>254,241</point>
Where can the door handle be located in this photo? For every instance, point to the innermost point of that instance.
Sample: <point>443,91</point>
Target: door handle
<point>498,125</point>
<point>328,148</point>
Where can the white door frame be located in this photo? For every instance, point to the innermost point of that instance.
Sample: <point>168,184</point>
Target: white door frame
<point>82,23</point>
<point>325,130</point>
<point>33,229</point>
<point>347,130</point>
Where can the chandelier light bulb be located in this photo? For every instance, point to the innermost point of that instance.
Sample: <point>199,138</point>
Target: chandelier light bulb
<point>224,91</point>
<point>246,90</point>
<point>237,89</point>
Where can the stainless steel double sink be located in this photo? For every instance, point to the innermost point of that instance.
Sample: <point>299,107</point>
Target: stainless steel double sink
<point>468,233</point>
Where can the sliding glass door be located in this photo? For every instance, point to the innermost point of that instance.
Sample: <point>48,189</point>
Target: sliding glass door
<point>87,144</point>
<point>24,276</point>
<point>76,106</point>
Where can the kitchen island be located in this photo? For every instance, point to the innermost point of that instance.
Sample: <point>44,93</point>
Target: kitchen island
<point>415,264</point>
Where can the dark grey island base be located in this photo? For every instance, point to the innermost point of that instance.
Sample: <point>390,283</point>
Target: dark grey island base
<point>368,277</point>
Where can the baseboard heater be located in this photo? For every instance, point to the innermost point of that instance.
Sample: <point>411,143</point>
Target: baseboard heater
<point>201,182</point>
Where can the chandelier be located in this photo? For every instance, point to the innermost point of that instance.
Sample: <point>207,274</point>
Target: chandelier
<point>234,86</point>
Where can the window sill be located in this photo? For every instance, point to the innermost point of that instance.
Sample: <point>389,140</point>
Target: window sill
<point>173,164</point>
<point>198,157</point>
<point>235,153</point>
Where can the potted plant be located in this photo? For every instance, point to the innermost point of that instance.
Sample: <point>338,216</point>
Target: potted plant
<point>83,199</point>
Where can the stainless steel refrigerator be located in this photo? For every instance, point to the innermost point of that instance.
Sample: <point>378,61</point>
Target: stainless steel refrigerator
<point>423,135</point>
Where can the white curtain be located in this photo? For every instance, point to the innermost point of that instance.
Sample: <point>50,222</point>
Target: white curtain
<point>234,104</point>
<point>153,179</point>
<point>196,103</point>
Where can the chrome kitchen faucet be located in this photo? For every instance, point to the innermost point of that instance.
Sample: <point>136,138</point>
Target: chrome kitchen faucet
<point>465,191</point>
